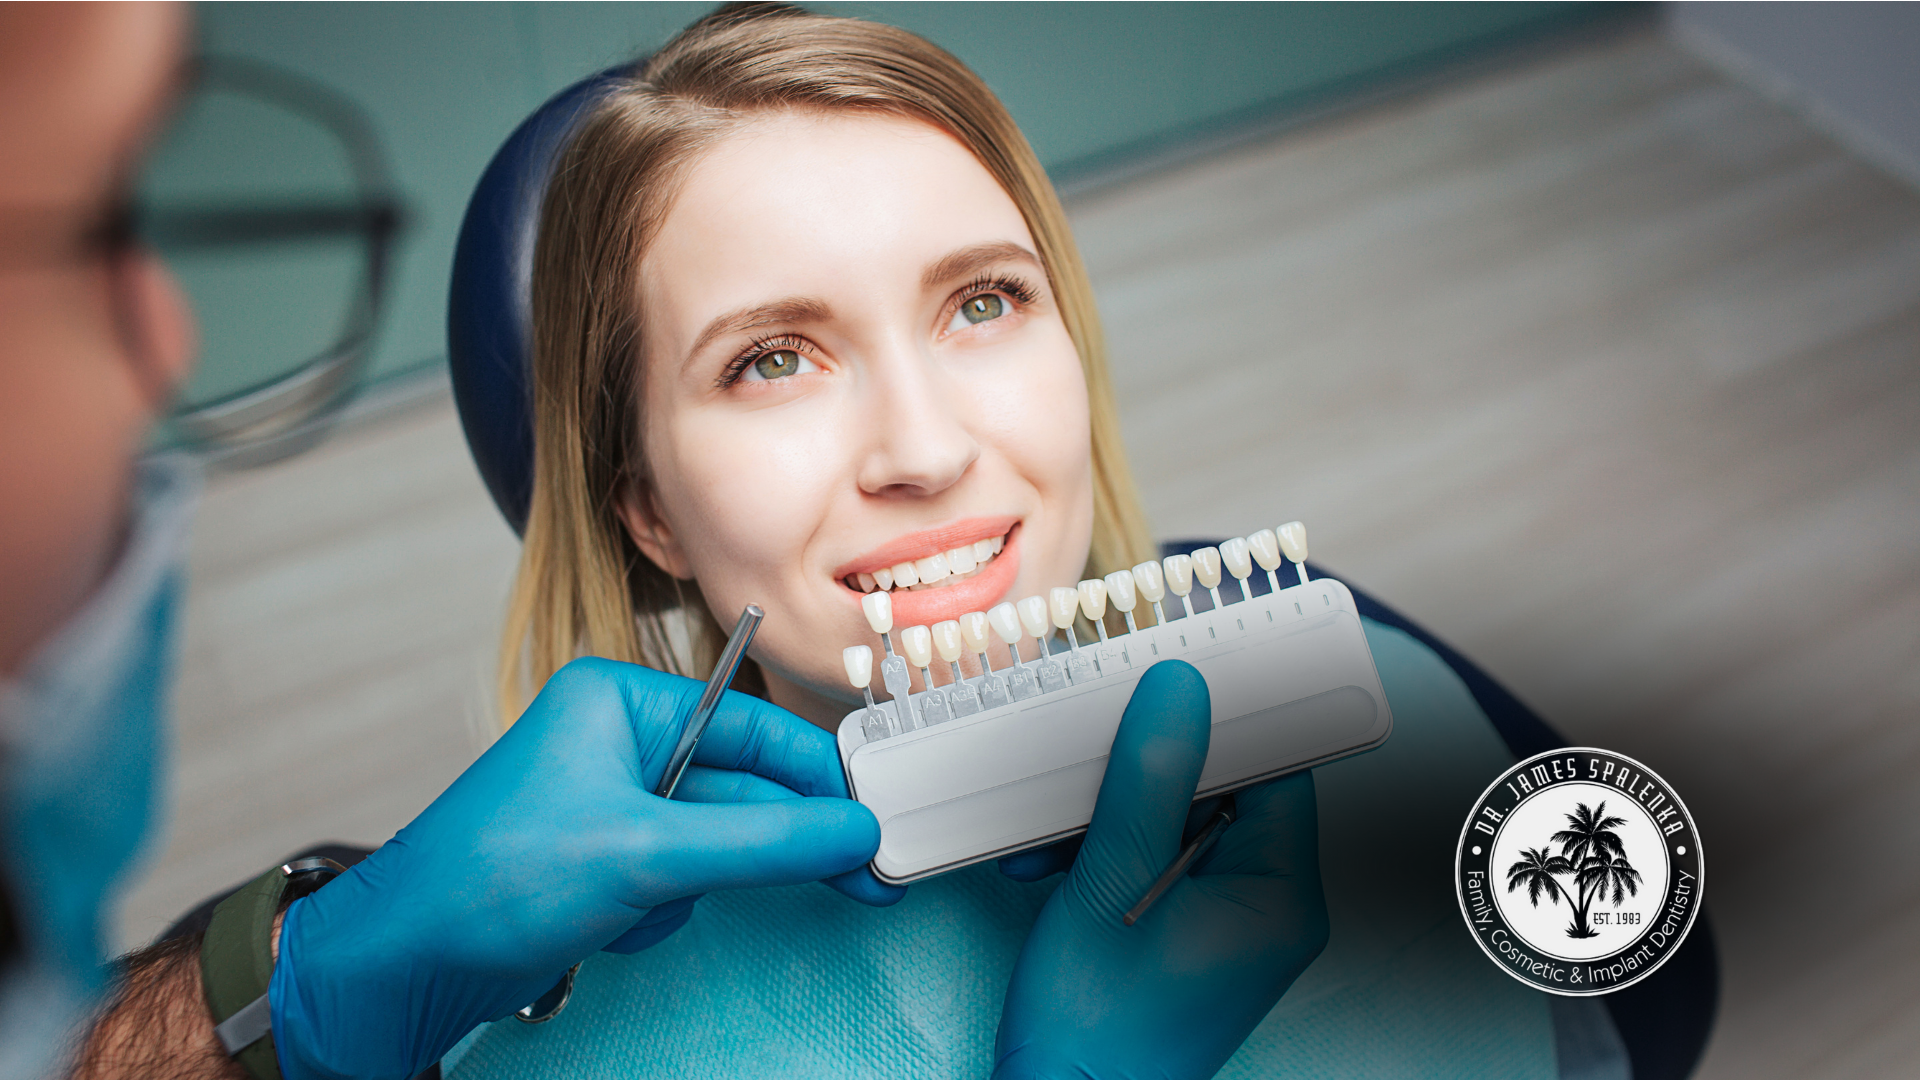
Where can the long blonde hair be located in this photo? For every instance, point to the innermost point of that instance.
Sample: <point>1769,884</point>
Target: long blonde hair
<point>583,588</point>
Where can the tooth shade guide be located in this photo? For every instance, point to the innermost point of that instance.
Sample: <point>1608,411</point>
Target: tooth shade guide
<point>975,631</point>
<point>1238,559</point>
<point>1206,572</point>
<point>917,642</point>
<point>1206,567</point>
<point>947,643</point>
<point>1293,541</point>
<point>1179,572</point>
<point>878,608</point>
<point>1203,626</point>
<point>1035,618</point>
<point>964,792</point>
<point>1063,605</point>
<point>1093,604</point>
<point>1150,581</point>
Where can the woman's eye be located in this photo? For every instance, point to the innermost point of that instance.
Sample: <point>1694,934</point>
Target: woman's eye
<point>978,309</point>
<point>776,364</point>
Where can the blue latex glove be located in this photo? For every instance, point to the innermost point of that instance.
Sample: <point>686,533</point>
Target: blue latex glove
<point>1175,994</point>
<point>550,847</point>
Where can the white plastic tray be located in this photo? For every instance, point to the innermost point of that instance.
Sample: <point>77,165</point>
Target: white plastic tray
<point>1292,682</point>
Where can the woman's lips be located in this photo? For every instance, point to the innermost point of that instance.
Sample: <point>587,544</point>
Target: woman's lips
<point>914,546</point>
<point>924,607</point>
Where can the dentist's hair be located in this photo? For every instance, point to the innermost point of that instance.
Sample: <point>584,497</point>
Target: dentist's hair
<point>583,588</point>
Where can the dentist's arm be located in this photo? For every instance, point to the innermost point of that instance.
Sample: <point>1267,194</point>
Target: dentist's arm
<point>547,849</point>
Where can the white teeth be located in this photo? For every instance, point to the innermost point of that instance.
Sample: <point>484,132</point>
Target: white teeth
<point>1151,581</point>
<point>1093,599</point>
<point>1120,590</point>
<point>1265,548</point>
<point>999,542</point>
<point>1239,562</point>
<point>1179,570</point>
<point>879,609</point>
<point>1206,567</point>
<point>932,570</point>
<point>917,643</point>
<point>1006,623</point>
<point>1033,617</point>
<point>1063,603</point>
<point>946,640</point>
<point>961,561</point>
<point>974,629</point>
<point>859,661</point>
<point>1293,541</point>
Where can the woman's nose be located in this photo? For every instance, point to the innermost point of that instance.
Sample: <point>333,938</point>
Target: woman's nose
<point>920,440</point>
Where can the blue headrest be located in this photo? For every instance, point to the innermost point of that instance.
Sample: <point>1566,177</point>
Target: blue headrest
<point>489,309</point>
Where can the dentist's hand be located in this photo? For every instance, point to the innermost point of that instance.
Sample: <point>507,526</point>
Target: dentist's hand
<point>550,847</point>
<point>1175,994</point>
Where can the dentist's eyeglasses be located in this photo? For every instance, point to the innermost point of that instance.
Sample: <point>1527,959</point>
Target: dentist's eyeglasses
<point>270,199</point>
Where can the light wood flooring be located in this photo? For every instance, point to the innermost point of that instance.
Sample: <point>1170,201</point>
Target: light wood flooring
<point>1603,367</point>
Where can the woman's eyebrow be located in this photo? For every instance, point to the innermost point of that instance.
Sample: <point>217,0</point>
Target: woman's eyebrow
<point>974,258</point>
<point>790,310</point>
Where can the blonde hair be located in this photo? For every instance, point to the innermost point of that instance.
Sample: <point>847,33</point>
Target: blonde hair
<point>583,588</point>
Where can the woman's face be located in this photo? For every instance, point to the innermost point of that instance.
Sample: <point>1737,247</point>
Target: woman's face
<point>852,360</point>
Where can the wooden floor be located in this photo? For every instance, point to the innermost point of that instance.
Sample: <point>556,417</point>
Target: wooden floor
<point>1602,367</point>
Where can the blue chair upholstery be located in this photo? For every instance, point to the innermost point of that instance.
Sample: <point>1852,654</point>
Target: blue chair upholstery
<point>489,309</point>
<point>1664,1020</point>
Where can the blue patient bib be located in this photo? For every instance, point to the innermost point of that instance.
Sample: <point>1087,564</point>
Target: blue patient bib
<point>801,982</point>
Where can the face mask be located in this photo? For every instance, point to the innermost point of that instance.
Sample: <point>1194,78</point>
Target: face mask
<point>82,741</point>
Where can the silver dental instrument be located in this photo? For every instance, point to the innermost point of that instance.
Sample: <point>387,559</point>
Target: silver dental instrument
<point>1195,848</point>
<point>723,673</point>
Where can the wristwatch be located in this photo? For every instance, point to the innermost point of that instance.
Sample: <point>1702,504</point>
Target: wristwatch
<point>236,960</point>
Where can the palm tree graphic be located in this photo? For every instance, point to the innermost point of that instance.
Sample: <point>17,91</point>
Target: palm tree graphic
<point>1591,854</point>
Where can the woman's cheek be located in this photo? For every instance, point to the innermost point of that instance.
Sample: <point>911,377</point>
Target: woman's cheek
<point>753,485</point>
<point>1041,423</point>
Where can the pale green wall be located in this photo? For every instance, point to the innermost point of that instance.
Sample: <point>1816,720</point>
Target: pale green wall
<point>1089,83</point>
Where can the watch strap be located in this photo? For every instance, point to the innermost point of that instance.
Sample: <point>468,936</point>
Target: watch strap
<point>236,966</point>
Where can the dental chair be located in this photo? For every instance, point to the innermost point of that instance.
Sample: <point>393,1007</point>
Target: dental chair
<point>1662,1022</point>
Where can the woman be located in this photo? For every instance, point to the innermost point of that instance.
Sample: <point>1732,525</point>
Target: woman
<point>806,308</point>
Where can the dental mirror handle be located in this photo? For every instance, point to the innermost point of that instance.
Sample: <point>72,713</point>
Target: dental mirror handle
<point>723,673</point>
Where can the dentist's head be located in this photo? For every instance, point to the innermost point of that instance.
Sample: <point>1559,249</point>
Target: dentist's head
<point>93,333</point>
<point>94,337</point>
<point>807,312</point>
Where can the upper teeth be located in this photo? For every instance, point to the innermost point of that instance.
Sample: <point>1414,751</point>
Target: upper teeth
<point>961,562</point>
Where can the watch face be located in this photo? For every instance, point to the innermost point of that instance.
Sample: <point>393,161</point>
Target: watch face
<point>1579,871</point>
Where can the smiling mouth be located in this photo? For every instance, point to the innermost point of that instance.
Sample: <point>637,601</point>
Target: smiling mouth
<point>936,571</point>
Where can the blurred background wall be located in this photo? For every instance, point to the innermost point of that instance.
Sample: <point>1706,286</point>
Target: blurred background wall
<point>1097,87</point>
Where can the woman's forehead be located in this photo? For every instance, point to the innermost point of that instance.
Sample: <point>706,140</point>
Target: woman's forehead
<point>818,205</point>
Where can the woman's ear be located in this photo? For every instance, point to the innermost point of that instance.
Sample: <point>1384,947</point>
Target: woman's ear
<point>649,531</point>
